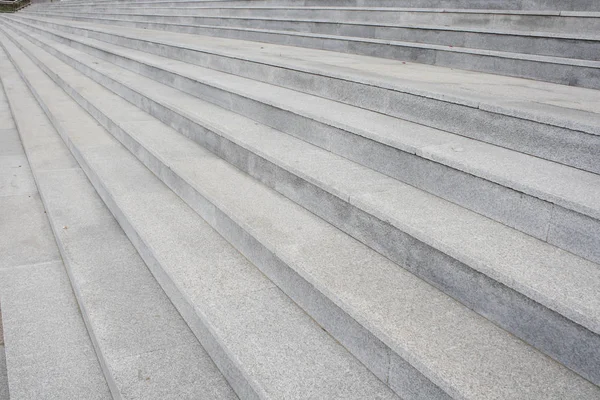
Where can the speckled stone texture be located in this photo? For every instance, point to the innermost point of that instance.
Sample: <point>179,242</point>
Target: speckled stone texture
<point>515,303</point>
<point>4,392</point>
<point>518,190</point>
<point>46,345</point>
<point>3,371</point>
<point>329,223</point>
<point>196,175</point>
<point>126,311</point>
<point>267,348</point>
<point>583,73</point>
<point>1,329</point>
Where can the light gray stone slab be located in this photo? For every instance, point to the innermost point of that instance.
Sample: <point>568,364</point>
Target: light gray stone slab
<point>491,6</point>
<point>1,330</point>
<point>26,237</point>
<point>433,96</point>
<point>525,323</point>
<point>125,309</point>
<point>313,245</point>
<point>565,71</point>
<point>9,142</point>
<point>461,86</point>
<point>15,176</point>
<point>502,175</point>
<point>153,372</point>
<point>569,230</point>
<point>48,351</point>
<point>46,149</point>
<point>361,183</point>
<point>4,393</point>
<point>6,118</point>
<point>460,153</point>
<point>466,19</point>
<point>164,222</point>
<point>566,45</point>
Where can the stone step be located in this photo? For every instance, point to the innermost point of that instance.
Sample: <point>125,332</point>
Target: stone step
<point>66,3</point>
<point>323,269</point>
<point>146,349</point>
<point>378,213</point>
<point>550,23</point>
<point>264,344</point>
<point>4,395</point>
<point>49,354</point>
<point>551,202</point>
<point>566,45</point>
<point>526,118</point>
<point>568,71</point>
<point>559,5</point>
<point>45,350</point>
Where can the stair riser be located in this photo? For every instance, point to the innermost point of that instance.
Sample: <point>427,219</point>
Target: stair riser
<point>456,20</point>
<point>197,323</point>
<point>546,221</point>
<point>403,378</point>
<point>565,145</point>
<point>202,331</point>
<point>572,75</point>
<point>568,48</point>
<point>473,20</point>
<point>198,312</point>
<point>112,385</point>
<point>356,338</point>
<point>543,328</point>
<point>583,5</point>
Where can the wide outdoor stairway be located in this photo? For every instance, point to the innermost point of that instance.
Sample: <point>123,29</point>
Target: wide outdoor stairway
<point>300,199</point>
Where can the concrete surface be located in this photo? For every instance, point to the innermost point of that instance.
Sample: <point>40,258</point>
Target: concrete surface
<point>537,118</point>
<point>498,193</point>
<point>272,348</point>
<point>48,351</point>
<point>290,231</point>
<point>566,71</point>
<point>125,309</point>
<point>314,216</point>
<point>4,393</point>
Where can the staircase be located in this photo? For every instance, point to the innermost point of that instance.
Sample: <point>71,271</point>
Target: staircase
<point>300,199</point>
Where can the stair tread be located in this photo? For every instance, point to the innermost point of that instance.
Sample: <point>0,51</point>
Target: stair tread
<point>508,32</point>
<point>47,349</point>
<point>3,375</point>
<point>478,358</point>
<point>488,241</point>
<point>570,187</point>
<point>357,4</point>
<point>115,286</point>
<point>436,47</point>
<point>100,4</point>
<point>560,105</point>
<point>519,261</point>
<point>283,351</point>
